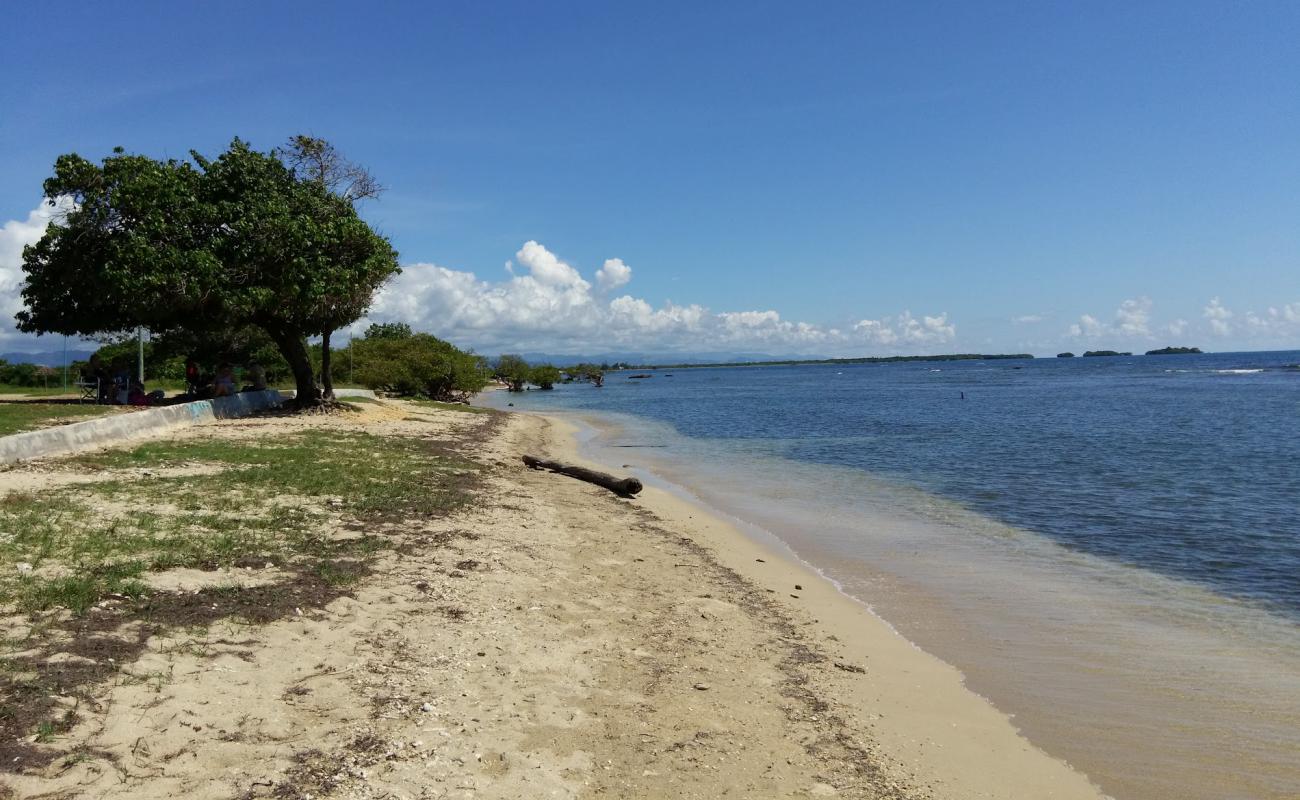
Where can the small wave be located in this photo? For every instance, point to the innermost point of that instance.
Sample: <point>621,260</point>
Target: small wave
<point>1237,371</point>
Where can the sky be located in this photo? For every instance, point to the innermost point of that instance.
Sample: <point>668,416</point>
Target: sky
<point>834,179</point>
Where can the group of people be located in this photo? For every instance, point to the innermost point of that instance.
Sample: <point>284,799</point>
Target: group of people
<point>222,383</point>
<point>115,383</point>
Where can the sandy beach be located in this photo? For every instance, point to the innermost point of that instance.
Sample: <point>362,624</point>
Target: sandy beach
<point>547,639</point>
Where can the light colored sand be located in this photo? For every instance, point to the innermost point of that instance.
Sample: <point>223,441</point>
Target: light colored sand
<point>915,706</point>
<point>555,641</point>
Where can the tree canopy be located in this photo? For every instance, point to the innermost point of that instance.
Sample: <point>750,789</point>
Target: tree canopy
<point>513,370</point>
<point>417,364</point>
<point>200,245</point>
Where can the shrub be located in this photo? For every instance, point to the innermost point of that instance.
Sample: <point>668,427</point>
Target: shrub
<point>418,364</point>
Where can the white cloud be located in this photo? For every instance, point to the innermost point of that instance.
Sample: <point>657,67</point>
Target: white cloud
<point>1087,326</point>
<point>1177,327</point>
<point>613,274</point>
<point>546,268</point>
<point>1132,319</point>
<point>1029,319</point>
<point>1218,317</point>
<point>14,236</point>
<point>1274,321</point>
<point>552,307</point>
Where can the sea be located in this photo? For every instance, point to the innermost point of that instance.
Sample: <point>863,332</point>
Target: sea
<point>1108,548</point>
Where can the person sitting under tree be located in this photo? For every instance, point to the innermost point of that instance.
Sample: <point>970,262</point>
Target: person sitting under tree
<point>224,384</point>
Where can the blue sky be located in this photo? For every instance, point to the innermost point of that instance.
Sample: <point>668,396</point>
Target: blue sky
<point>831,178</point>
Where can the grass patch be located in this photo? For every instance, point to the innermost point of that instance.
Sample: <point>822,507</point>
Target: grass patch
<point>18,417</point>
<point>269,503</point>
<point>316,505</point>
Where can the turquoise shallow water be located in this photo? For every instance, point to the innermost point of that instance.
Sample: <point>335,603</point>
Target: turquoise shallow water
<point>1108,548</point>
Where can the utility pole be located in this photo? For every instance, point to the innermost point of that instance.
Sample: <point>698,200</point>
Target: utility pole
<point>139,332</point>
<point>350,355</point>
<point>65,362</point>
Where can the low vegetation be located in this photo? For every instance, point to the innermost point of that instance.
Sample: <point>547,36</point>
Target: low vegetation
<point>257,504</point>
<point>304,513</point>
<point>18,417</point>
<point>393,360</point>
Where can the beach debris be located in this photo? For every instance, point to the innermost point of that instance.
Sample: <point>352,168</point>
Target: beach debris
<point>798,587</point>
<point>703,687</point>
<point>761,561</point>
<point>624,487</point>
<point>24,568</point>
<point>849,667</point>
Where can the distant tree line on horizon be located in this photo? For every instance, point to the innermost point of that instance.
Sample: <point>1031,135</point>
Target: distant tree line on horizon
<point>1163,351</point>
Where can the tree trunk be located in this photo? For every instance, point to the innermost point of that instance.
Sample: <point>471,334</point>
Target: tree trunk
<point>626,487</point>
<point>326,375</point>
<point>294,349</point>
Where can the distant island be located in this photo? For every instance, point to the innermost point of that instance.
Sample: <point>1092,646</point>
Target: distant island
<point>1066,354</point>
<point>1095,353</point>
<point>863,360</point>
<point>1175,351</point>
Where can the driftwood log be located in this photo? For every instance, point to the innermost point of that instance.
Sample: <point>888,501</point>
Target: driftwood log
<point>624,487</point>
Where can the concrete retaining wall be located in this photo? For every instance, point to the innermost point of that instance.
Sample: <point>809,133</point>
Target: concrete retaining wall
<point>111,430</point>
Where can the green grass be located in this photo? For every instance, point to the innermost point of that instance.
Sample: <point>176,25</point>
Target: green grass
<point>20,417</point>
<point>269,503</point>
<point>55,388</point>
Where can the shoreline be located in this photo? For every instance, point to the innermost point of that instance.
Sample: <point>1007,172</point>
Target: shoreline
<point>922,715</point>
<point>1150,686</point>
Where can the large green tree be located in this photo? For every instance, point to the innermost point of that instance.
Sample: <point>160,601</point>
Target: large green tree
<point>317,161</point>
<point>206,245</point>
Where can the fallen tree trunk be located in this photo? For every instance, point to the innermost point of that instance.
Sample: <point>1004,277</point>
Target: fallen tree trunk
<point>624,487</point>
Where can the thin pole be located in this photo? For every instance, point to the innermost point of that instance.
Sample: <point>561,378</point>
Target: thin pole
<point>65,363</point>
<point>350,356</point>
<point>139,332</point>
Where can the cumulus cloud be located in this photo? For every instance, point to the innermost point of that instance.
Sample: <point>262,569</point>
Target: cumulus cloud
<point>14,236</point>
<point>613,274</point>
<point>1218,317</point>
<point>1274,321</point>
<point>1087,326</point>
<point>546,304</point>
<point>1132,319</point>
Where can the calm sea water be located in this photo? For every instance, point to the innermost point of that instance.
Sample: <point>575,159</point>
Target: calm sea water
<point>1184,465</point>
<point>1108,548</point>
